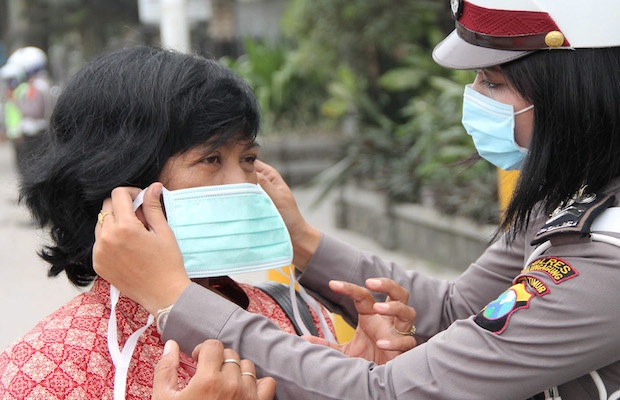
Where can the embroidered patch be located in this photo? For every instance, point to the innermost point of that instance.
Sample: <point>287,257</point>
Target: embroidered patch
<point>558,269</point>
<point>494,317</point>
<point>539,287</point>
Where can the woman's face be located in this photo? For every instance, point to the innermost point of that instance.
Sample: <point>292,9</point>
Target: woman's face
<point>206,166</point>
<point>492,83</point>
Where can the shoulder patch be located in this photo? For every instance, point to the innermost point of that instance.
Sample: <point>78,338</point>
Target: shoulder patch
<point>556,268</point>
<point>539,287</point>
<point>576,216</point>
<point>495,316</point>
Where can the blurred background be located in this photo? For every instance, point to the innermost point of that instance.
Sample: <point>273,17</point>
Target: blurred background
<point>356,115</point>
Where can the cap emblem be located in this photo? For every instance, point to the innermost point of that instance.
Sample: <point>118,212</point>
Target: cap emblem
<point>554,39</point>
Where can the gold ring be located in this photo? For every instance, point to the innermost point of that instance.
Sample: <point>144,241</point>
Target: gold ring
<point>232,360</point>
<point>102,215</point>
<point>249,374</point>
<point>409,332</point>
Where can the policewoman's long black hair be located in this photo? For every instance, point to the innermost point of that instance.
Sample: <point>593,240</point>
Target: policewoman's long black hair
<point>116,123</point>
<point>576,136</point>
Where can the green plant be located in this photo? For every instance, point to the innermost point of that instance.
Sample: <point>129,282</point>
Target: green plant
<point>289,94</point>
<point>456,183</point>
<point>425,157</point>
<point>373,59</point>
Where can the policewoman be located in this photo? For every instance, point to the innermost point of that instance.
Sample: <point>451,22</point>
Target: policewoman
<point>536,316</point>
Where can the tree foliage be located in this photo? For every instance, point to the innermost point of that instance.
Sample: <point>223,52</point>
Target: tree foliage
<point>409,142</point>
<point>96,21</point>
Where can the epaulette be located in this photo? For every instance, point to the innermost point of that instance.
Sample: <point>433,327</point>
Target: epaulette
<point>575,216</point>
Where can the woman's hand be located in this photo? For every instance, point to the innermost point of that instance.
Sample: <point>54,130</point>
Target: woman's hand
<point>215,379</point>
<point>376,337</point>
<point>138,253</point>
<point>304,236</point>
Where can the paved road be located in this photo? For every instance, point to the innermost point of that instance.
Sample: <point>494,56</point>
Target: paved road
<point>27,294</point>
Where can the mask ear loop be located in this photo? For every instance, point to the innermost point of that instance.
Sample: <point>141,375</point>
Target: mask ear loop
<point>327,333</point>
<point>528,108</point>
<point>122,358</point>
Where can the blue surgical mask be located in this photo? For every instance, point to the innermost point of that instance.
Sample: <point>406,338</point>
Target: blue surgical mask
<point>227,229</point>
<point>491,126</point>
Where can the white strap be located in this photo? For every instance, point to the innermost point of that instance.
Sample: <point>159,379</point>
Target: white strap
<point>608,221</point>
<point>121,359</point>
<point>317,309</point>
<point>327,333</point>
<point>137,202</point>
<point>298,319</point>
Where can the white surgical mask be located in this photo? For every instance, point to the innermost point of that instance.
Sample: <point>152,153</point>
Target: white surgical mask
<point>226,229</point>
<point>491,126</point>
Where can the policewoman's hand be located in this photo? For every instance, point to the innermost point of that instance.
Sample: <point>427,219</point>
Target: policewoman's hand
<point>384,329</point>
<point>305,237</point>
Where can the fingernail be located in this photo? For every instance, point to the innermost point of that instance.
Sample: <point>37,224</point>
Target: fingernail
<point>383,343</point>
<point>373,282</point>
<point>156,189</point>
<point>167,347</point>
<point>337,284</point>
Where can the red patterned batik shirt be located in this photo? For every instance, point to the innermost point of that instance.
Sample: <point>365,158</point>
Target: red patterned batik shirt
<point>65,356</point>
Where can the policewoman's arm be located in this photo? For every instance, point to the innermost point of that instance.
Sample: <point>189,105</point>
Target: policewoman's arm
<point>543,340</point>
<point>521,344</point>
<point>438,302</point>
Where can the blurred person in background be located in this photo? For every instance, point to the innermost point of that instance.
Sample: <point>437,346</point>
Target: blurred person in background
<point>11,75</point>
<point>34,101</point>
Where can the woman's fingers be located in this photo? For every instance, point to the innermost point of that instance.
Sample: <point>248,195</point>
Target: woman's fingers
<point>390,287</point>
<point>165,381</point>
<point>266,388</point>
<point>395,304</point>
<point>220,375</point>
<point>153,211</point>
<point>361,296</point>
<point>209,356</point>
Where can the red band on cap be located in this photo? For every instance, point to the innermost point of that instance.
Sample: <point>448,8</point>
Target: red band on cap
<point>505,22</point>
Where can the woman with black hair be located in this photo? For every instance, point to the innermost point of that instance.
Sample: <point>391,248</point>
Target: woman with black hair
<point>536,314</point>
<point>130,118</point>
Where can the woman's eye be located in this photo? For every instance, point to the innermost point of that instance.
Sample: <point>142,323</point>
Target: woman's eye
<point>488,84</point>
<point>250,159</point>
<point>211,159</point>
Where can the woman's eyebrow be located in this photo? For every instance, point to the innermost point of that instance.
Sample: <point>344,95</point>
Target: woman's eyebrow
<point>252,145</point>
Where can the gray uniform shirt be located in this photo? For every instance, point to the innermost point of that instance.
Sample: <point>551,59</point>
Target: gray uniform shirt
<point>502,330</point>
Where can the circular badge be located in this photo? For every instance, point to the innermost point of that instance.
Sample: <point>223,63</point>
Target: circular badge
<point>457,8</point>
<point>501,306</point>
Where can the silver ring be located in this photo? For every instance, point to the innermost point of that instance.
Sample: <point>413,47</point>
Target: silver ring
<point>409,332</point>
<point>231,360</point>
<point>249,374</point>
